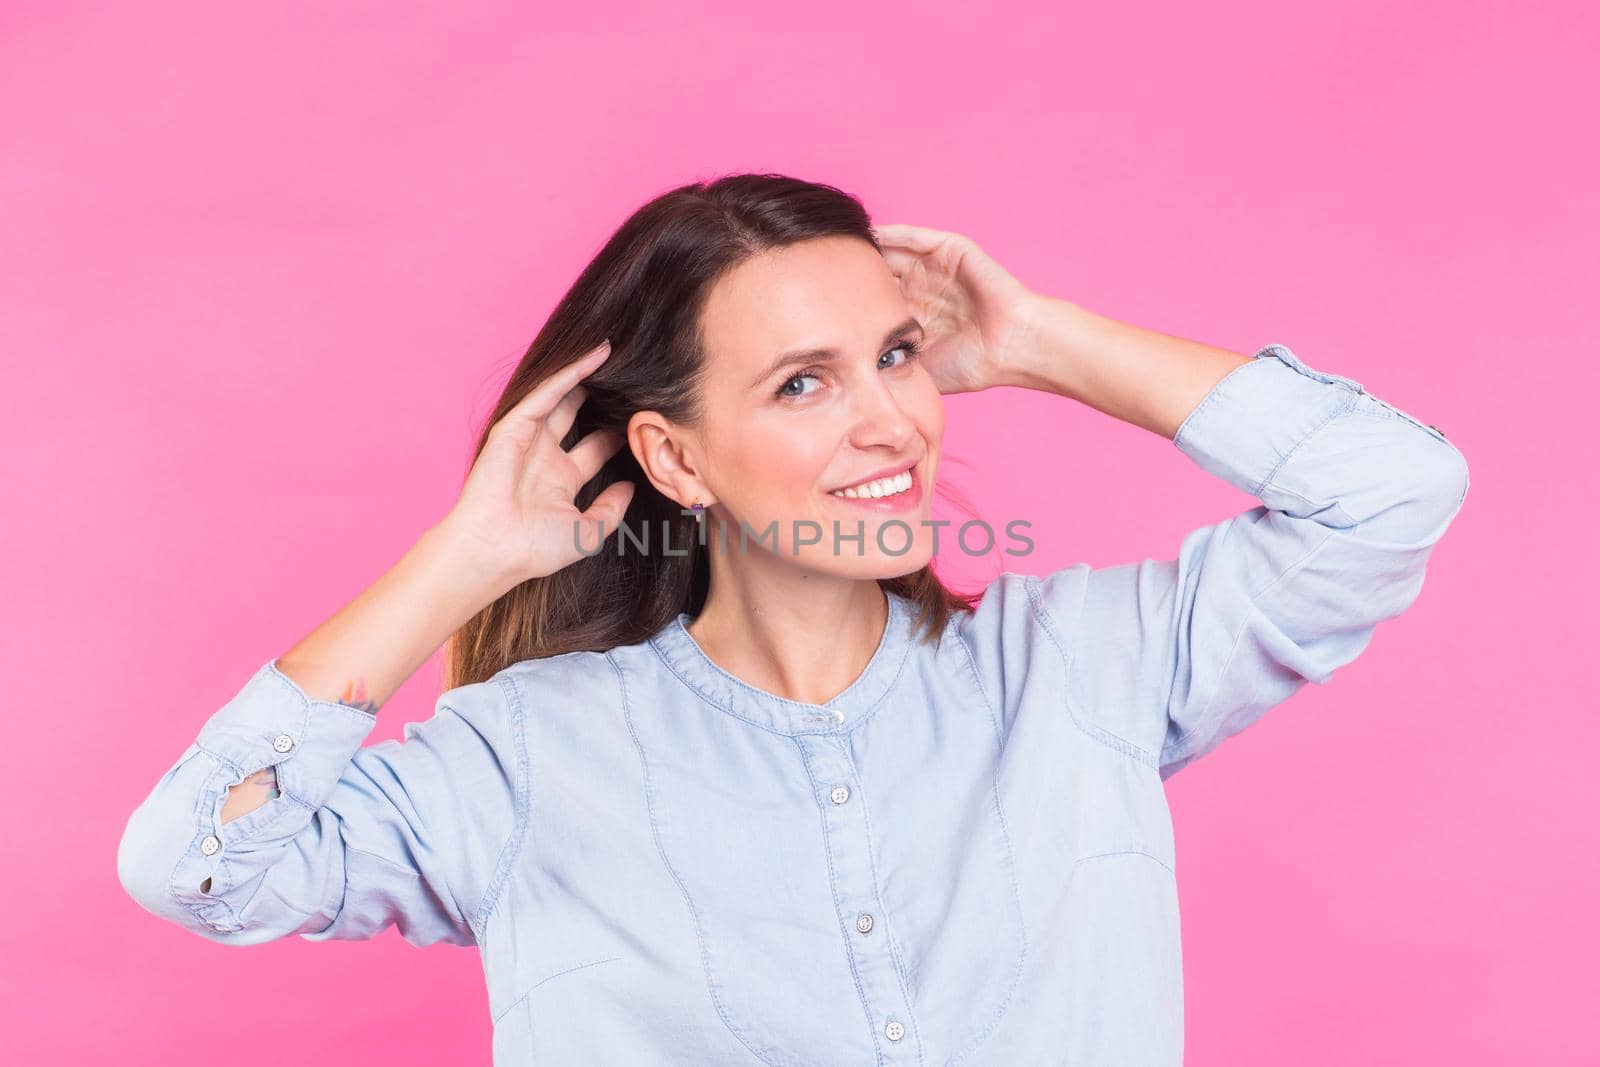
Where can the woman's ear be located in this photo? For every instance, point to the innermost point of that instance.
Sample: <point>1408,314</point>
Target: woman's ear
<point>664,451</point>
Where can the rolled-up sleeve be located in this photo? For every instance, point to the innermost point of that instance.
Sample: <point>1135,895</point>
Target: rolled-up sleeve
<point>404,833</point>
<point>1175,656</point>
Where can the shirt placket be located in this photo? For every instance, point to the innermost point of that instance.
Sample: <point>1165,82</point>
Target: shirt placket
<point>865,927</point>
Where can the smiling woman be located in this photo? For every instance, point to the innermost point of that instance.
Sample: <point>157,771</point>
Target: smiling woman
<point>770,456</point>
<point>788,803</point>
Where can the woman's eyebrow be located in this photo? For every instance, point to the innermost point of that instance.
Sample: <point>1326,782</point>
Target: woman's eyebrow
<point>823,355</point>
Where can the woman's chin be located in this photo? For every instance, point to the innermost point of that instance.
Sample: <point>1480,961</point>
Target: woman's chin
<point>870,564</point>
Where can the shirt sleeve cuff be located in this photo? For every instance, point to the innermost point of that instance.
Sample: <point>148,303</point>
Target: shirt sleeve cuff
<point>1252,419</point>
<point>273,723</point>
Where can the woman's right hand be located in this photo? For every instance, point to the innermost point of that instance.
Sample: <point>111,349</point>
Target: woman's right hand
<point>516,510</point>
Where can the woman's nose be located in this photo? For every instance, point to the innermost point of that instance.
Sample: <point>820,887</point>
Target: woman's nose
<point>879,417</point>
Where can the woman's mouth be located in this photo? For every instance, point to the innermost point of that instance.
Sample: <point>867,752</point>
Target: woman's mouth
<point>898,492</point>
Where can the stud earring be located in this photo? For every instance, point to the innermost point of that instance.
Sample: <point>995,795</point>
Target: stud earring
<point>699,510</point>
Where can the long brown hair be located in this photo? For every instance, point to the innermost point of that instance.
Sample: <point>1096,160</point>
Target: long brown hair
<point>644,292</point>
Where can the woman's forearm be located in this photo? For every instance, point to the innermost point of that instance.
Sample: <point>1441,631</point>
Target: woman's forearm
<point>1141,376</point>
<point>366,650</point>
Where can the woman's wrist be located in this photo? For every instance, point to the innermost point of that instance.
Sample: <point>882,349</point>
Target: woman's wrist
<point>480,574</point>
<point>1051,333</point>
<point>1141,376</point>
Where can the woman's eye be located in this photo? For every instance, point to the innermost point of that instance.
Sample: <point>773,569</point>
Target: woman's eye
<point>909,348</point>
<point>785,391</point>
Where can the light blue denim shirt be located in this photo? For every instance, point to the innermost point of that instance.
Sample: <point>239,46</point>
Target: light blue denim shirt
<point>965,857</point>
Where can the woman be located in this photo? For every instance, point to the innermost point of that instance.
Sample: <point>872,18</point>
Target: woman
<point>759,795</point>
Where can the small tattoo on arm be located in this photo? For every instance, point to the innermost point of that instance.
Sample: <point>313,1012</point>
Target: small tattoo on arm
<point>248,795</point>
<point>266,778</point>
<point>355,696</point>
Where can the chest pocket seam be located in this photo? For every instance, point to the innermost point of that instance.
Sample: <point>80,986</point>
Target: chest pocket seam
<point>683,888</point>
<point>983,1032</point>
<point>1095,732</point>
<point>1146,853</point>
<point>509,1008</point>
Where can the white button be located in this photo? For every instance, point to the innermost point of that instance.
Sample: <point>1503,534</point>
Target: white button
<point>863,922</point>
<point>209,844</point>
<point>839,795</point>
<point>838,716</point>
<point>283,742</point>
<point>894,1031</point>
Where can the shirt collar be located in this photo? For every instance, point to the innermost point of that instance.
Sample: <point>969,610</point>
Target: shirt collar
<point>684,657</point>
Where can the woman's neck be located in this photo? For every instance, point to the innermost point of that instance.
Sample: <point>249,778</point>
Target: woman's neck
<point>798,635</point>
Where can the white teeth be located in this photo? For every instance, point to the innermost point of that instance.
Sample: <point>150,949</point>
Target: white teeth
<point>878,488</point>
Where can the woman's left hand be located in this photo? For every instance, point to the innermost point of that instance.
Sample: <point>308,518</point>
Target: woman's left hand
<point>975,314</point>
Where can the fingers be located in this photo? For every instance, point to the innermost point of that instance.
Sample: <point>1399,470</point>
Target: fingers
<point>560,420</point>
<point>543,398</point>
<point>919,239</point>
<point>591,453</point>
<point>898,260</point>
<point>609,507</point>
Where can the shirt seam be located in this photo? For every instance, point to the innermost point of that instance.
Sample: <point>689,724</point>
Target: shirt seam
<point>1098,733</point>
<point>976,1040</point>
<point>307,702</point>
<point>902,977</point>
<point>833,891</point>
<point>1347,405</point>
<point>666,861</point>
<point>198,910</point>
<point>509,1008</point>
<point>1195,736</point>
<point>1123,852</point>
<point>867,713</point>
<point>244,772</point>
<point>412,872</point>
<point>1216,391</point>
<point>222,878</point>
<point>386,861</point>
<point>977,679</point>
<point>1156,759</point>
<point>521,803</point>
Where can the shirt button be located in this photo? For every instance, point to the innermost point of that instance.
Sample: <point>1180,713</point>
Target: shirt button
<point>838,716</point>
<point>839,795</point>
<point>283,742</point>
<point>209,844</point>
<point>864,922</point>
<point>894,1031</point>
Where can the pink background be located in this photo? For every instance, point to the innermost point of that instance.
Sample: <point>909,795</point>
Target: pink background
<point>264,271</point>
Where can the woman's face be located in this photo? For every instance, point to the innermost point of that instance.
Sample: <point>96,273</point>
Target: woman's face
<point>810,390</point>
